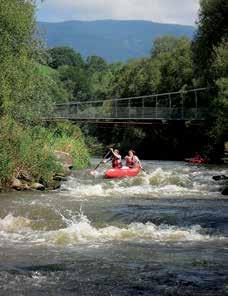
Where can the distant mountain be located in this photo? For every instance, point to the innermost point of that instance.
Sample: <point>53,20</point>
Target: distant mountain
<point>112,40</point>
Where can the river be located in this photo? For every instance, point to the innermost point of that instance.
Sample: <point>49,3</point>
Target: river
<point>164,232</point>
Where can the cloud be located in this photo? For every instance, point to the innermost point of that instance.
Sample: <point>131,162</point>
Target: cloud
<point>165,11</point>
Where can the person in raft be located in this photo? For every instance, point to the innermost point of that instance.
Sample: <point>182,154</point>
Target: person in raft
<point>197,156</point>
<point>115,158</point>
<point>132,160</point>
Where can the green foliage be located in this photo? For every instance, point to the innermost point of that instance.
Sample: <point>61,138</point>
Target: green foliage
<point>27,93</point>
<point>96,64</point>
<point>139,77</point>
<point>168,69</point>
<point>75,82</point>
<point>24,92</point>
<point>31,150</point>
<point>173,57</point>
<point>69,138</point>
<point>212,28</point>
<point>61,56</point>
<point>25,150</point>
<point>210,55</point>
<point>56,89</point>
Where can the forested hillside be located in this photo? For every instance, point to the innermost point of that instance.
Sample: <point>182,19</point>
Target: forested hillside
<point>112,40</point>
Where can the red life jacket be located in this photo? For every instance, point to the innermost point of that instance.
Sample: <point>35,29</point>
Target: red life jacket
<point>116,162</point>
<point>130,161</point>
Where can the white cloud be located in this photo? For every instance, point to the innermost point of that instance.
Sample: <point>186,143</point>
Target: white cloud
<point>166,11</point>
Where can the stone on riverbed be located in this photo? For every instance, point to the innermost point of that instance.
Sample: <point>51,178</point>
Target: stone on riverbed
<point>37,186</point>
<point>59,178</point>
<point>225,191</point>
<point>220,178</point>
<point>18,185</point>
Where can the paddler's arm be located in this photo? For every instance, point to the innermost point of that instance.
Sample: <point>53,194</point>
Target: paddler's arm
<point>116,155</point>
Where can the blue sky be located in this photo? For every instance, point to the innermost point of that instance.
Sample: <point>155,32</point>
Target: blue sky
<point>164,11</point>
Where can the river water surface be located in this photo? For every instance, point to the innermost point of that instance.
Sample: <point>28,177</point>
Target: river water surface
<point>164,232</point>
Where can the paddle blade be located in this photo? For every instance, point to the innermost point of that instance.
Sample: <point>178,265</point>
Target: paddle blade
<point>92,173</point>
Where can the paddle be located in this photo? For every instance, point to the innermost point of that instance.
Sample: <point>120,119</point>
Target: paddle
<point>97,166</point>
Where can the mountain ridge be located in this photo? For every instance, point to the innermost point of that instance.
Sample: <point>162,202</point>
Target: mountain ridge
<point>114,40</point>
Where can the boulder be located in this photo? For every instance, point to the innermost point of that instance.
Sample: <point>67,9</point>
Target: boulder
<point>53,185</point>
<point>37,186</point>
<point>225,191</point>
<point>18,185</point>
<point>59,178</point>
<point>220,178</point>
<point>23,175</point>
<point>66,160</point>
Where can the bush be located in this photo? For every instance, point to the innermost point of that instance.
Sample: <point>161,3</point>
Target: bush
<point>69,138</point>
<point>30,150</point>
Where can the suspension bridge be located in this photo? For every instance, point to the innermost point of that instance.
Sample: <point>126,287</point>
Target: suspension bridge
<point>183,105</point>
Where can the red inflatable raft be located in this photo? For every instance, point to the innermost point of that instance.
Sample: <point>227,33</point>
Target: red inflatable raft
<point>195,160</point>
<point>122,172</point>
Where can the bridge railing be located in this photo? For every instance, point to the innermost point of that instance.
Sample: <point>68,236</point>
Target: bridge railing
<point>168,106</point>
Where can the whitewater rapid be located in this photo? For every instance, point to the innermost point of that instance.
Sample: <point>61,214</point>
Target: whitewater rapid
<point>79,229</point>
<point>164,232</point>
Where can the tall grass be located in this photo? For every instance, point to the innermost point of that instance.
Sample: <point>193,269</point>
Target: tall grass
<point>30,150</point>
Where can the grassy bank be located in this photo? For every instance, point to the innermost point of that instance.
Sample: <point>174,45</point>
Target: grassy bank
<point>30,150</point>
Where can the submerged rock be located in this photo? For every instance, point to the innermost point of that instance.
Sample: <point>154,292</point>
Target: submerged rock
<point>225,191</point>
<point>220,178</point>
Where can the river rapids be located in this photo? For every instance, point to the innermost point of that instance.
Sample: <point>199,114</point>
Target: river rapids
<point>164,232</point>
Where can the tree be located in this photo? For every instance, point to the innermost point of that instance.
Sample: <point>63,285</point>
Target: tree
<point>139,77</point>
<point>61,56</point>
<point>210,53</point>
<point>212,28</point>
<point>173,56</point>
<point>24,92</point>
<point>75,81</point>
<point>96,64</point>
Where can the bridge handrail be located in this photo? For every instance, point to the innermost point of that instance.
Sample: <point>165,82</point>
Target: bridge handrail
<point>133,98</point>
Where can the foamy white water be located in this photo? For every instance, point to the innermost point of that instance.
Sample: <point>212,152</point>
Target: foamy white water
<point>164,231</point>
<point>80,230</point>
<point>156,182</point>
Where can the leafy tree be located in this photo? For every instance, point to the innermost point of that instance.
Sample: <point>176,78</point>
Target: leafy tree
<point>210,52</point>
<point>24,93</point>
<point>61,56</point>
<point>75,81</point>
<point>219,130</point>
<point>101,84</point>
<point>140,77</point>
<point>173,58</point>
<point>212,28</point>
<point>96,64</point>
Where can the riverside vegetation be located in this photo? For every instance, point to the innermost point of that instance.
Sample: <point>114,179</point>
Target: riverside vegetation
<point>29,150</point>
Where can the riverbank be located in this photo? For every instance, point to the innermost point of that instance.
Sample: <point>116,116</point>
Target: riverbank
<point>39,157</point>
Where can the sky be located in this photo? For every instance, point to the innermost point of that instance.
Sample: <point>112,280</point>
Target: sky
<point>162,11</point>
